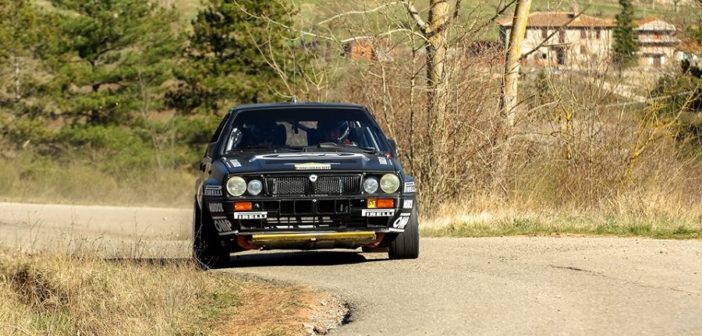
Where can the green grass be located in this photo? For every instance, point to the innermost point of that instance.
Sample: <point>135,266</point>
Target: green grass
<point>620,226</point>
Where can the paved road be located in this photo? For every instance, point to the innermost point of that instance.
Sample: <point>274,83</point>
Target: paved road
<point>110,231</point>
<point>509,286</point>
<point>471,286</point>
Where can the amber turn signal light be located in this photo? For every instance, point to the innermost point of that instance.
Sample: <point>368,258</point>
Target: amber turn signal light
<point>381,203</point>
<point>243,206</point>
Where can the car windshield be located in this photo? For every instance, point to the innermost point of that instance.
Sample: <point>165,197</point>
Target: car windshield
<point>304,129</point>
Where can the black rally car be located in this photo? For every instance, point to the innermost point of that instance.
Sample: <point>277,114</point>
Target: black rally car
<point>302,176</point>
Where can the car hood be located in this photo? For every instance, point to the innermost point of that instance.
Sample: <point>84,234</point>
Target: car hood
<point>307,162</point>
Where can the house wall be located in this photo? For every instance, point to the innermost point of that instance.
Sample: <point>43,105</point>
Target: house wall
<point>648,52</point>
<point>581,51</point>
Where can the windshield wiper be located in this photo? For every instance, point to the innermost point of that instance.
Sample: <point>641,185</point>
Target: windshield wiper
<point>370,150</point>
<point>249,148</point>
<point>273,149</point>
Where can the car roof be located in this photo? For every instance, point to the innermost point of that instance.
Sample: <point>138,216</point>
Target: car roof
<point>275,106</point>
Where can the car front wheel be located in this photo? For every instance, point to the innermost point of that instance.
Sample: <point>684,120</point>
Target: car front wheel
<point>406,245</point>
<point>207,247</point>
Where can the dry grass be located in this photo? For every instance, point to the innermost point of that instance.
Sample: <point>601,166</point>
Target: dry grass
<point>656,216</point>
<point>29,179</point>
<point>61,295</point>
<point>275,309</point>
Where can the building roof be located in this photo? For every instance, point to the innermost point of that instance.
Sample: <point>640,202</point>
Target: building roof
<point>653,24</point>
<point>560,19</point>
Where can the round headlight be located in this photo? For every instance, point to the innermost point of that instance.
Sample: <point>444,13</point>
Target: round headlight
<point>389,183</point>
<point>255,187</point>
<point>370,185</point>
<point>236,186</point>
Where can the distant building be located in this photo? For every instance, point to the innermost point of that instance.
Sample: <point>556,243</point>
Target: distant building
<point>367,50</point>
<point>563,39</point>
<point>657,42</point>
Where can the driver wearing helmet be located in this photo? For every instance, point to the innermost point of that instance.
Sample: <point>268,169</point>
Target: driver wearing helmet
<point>334,131</point>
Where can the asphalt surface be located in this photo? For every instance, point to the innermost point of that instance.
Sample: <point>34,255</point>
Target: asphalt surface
<point>468,286</point>
<point>508,286</point>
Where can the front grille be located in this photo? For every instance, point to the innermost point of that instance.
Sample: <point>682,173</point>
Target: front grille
<point>324,185</point>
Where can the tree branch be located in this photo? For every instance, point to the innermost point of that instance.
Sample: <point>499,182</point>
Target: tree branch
<point>389,32</point>
<point>269,20</point>
<point>456,10</point>
<point>357,12</point>
<point>414,13</point>
<point>329,38</point>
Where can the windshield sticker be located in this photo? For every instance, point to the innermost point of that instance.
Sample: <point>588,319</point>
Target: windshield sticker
<point>409,188</point>
<point>312,166</point>
<point>382,160</point>
<point>235,163</point>
<point>310,156</point>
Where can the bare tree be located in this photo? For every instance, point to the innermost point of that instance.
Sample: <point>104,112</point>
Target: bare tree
<point>510,84</point>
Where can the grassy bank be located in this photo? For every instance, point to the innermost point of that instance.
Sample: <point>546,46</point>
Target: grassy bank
<point>61,295</point>
<point>590,224</point>
<point>34,179</point>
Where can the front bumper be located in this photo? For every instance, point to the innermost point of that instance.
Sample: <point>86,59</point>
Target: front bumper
<point>309,215</point>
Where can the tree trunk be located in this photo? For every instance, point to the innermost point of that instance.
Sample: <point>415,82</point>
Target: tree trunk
<point>436,81</point>
<point>508,99</point>
<point>18,80</point>
<point>436,57</point>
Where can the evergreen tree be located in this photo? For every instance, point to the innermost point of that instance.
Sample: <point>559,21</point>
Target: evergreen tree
<point>626,43</point>
<point>239,52</point>
<point>24,38</point>
<point>115,54</point>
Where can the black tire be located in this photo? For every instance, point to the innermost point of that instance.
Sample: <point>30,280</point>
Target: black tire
<point>208,251</point>
<point>406,245</point>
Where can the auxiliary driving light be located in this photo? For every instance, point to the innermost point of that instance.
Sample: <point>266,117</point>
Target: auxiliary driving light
<point>370,185</point>
<point>255,187</point>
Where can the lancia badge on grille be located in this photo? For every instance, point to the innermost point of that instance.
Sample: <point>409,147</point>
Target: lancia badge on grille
<point>313,178</point>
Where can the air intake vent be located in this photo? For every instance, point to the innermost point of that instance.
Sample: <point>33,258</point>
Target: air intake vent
<point>303,185</point>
